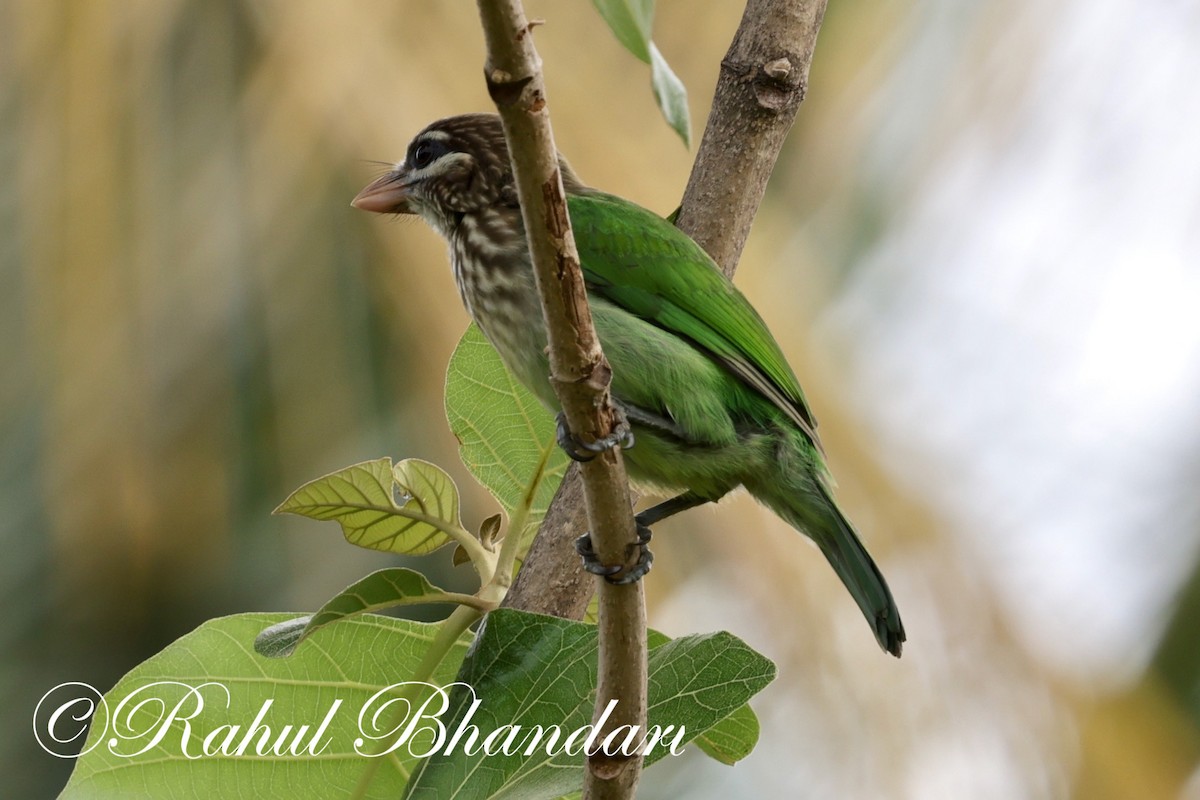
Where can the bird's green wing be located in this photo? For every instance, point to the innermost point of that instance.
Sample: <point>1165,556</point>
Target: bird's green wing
<point>646,265</point>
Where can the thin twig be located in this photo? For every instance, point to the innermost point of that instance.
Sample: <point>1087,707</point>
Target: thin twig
<point>580,375</point>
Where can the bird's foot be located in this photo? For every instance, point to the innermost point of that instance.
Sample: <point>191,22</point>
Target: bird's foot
<point>583,546</point>
<point>581,451</point>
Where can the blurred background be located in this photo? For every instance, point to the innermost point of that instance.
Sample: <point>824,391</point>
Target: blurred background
<point>980,250</point>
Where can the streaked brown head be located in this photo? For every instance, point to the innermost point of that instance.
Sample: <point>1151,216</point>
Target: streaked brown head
<point>458,165</point>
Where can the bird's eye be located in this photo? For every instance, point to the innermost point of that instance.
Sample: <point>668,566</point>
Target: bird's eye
<point>424,154</point>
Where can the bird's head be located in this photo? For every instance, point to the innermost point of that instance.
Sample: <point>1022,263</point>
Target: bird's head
<point>458,165</point>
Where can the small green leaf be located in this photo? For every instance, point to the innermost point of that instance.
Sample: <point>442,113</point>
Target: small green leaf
<point>385,588</point>
<point>280,640</point>
<point>671,95</point>
<point>502,429</point>
<point>361,499</point>
<point>489,531</point>
<point>630,21</point>
<point>531,670</point>
<point>298,691</point>
<point>731,739</point>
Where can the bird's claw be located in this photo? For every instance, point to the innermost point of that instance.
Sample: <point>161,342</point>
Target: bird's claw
<point>578,450</point>
<point>583,546</point>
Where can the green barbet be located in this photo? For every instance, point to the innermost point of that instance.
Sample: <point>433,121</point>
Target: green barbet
<point>710,399</point>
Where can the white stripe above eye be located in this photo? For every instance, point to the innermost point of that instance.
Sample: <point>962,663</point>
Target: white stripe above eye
<point>440,165</point>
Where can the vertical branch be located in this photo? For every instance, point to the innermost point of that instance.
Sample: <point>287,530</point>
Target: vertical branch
<point>763,79</point>
<point>579,373</point>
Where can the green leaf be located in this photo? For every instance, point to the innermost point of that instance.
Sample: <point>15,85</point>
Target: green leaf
<point>631,22</point>
<point>529,670</point>
<point>731,739</point>
<point>671,96</point>
<point>503,431</point>
<point>386,588</point>
<point>300,691</point>
<point>361,499</point>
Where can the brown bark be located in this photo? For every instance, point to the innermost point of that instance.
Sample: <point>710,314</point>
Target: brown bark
<point>550,581</point>
<point>580,375</point>
<point>763,80</point>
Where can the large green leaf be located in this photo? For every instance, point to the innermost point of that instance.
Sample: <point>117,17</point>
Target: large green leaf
<point>362,499</point>
<point>299,690</point>
<point>385,588</point>
<point>505,435</point>
<point>528,670</point>
<point>631,22</point>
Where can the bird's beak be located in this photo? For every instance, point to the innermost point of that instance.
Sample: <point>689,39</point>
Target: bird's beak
<point>385,195</point>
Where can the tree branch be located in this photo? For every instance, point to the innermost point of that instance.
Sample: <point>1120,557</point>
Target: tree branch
<point>579,373</point>
<point>550,580</point>
<point>753,109</point>
<point>763,80</point>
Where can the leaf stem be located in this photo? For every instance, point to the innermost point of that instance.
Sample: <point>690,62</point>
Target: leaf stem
<point>506,564</point>
<point>459,620</point>
<point>482,559</point>
<point>469,600</point>
<point>448,632</point>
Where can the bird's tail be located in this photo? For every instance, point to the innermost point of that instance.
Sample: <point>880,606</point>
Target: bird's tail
<point>800,496</point>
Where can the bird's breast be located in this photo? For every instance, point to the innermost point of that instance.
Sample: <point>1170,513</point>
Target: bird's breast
<point>495,280</point>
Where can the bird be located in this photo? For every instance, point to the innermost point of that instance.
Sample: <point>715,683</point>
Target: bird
<point>710,402</point>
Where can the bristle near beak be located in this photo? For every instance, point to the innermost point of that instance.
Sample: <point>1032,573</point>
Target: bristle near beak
<point>385,195</point>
